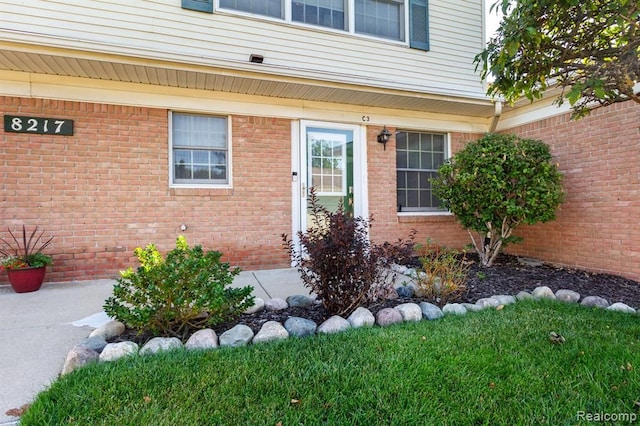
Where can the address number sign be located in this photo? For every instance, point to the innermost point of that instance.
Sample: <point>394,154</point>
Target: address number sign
<point>38,125</point>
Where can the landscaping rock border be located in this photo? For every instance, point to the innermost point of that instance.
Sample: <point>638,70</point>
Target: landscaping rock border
<point>96,349</point>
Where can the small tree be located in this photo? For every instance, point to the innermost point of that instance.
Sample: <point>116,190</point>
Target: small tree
<point>496,184</point>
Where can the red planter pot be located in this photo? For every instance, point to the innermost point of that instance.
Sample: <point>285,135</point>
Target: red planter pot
<point>27,279</point>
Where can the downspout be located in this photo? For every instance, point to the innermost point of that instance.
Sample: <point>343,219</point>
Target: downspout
<point>497,111</point>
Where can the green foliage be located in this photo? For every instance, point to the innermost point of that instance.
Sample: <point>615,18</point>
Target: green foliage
<point>339,263</point>
<point>443,273</point>
<point>497,183</point>
<point>590,49</point>
<point>171,296</point>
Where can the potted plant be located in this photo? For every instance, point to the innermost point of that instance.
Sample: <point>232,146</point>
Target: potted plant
<point>24,261</point>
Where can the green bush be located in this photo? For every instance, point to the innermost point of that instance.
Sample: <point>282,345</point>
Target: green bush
<point>497,183</point>
<point>339,263</point>
<point>171,296</point>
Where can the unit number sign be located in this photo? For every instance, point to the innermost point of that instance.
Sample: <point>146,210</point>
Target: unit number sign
<point>38,125</point>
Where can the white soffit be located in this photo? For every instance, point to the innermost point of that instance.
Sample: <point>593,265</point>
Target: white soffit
<point>242,83</point>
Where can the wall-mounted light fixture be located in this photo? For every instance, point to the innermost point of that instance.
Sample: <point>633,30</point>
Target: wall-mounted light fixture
<point>256,59</point>
<point>384,136</point>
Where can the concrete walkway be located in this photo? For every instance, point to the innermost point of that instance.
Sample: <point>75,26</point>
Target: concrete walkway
<point>38,329</point>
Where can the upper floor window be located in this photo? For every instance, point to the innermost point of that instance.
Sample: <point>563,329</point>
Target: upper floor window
<point>382,18</point>
<point>400,20</point>
<point>272,8</point>
<point>199,149</point>
<point>325,13</point>
<point>418,157</point>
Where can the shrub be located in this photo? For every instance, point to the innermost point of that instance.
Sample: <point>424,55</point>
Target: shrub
<point>442,274</point>
<point>339,263</point>
<point>497,183</point>
<point>186,290</point>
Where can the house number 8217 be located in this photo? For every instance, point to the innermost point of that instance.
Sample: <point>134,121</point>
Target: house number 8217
<point>38,125</point>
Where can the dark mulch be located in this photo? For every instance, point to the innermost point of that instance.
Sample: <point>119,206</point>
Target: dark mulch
<point>507,276</point>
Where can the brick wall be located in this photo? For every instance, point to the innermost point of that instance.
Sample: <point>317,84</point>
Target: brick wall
<point>104,191</point>
<point>598,227</point>
<point>387,225</point>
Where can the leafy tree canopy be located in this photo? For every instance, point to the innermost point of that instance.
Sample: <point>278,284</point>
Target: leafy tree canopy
<point>588,48</point>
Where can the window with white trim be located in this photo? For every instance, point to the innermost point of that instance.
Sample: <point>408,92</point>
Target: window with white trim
<point>380,18</point>
<point>388,19</point>
<point>418,157</point>
<point>272,8</point>
<point>199,150</point>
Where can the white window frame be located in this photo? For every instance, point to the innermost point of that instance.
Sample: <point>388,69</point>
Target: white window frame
<point>204,185</point>
<point>351,21</point>
<point>447,155</point>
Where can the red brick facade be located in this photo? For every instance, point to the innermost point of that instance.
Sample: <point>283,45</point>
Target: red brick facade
<point>105,190</point>
<point>598,227</point>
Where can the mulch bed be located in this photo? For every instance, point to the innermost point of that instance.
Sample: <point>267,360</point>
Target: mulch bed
<point>507,276</point>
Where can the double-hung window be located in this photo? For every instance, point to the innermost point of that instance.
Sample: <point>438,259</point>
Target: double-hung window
<point>272,8</point>
<point>199,150</point>
<point>418,157</point>
<point>404,21</point>
<point>324,13</point>
<point>381,18</point>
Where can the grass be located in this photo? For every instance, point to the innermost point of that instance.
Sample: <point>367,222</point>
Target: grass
<point>490,367</point>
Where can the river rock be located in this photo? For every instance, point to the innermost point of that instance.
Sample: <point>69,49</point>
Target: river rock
<point>271,330</point>
<point>240,335</point>
<point>472,307</point>
<point>361,317</point>
<point>388,316</point>
<point>95,343</point>
<point>487,302</point>
<point>299,301</point>
<point>405,291</point>
<point>202,339</point>
<point>430,311</point>
<point>504,299</point>
<point>109,330</point>
<point>454,308</point>
<point>300,327</point>
<point>78,357</point>
<point>596,301</point>
<point>258,305</point>
<point>275,304</point>
<point>568,296</point>
<point>335,324</point>
<point>543,292</point>
<point>621,307</point>
<point>114,351</point>
<point>524,295</point>
<point>160,344</point>
<point>410,312</point>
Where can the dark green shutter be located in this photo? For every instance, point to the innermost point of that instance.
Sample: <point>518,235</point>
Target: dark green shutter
<point>419,24</point>
<point>199,5</point>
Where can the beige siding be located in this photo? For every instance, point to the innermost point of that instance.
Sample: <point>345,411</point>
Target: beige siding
<point>162,30</point>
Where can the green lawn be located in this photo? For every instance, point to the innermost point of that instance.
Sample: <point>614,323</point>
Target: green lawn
<point>492,367</point>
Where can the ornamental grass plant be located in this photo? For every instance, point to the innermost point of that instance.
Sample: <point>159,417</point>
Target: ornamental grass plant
<point>25,252</point>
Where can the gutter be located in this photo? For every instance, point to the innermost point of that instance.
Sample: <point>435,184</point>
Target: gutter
<point>496,116</point>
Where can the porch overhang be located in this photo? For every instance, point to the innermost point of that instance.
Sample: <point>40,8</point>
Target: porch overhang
<point>245,78</point>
